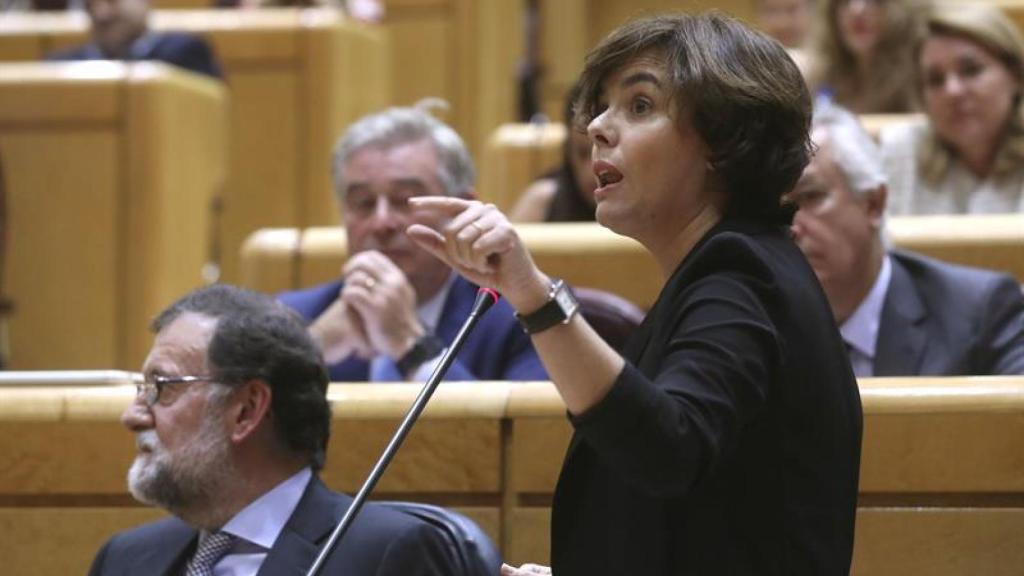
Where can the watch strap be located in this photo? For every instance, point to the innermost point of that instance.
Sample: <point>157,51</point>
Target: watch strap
<point>427,347</point>
<point>559,309</point>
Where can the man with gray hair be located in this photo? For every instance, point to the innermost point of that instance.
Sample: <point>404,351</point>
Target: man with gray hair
<point>395,307</point>
<point>901,314</point>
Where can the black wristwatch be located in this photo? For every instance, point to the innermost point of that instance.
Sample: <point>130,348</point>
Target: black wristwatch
<point>427,347</point>
<point>559,309</point>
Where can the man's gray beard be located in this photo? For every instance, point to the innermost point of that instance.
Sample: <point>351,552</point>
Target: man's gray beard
<point>189,483</point>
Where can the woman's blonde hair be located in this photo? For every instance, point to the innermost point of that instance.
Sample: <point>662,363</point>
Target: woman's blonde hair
<point>889,87</point>
<point>989,28</point>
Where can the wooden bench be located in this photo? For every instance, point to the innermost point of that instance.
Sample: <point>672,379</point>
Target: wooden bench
<point>941,490</point>
<point>516,154</point>
<point>942,478</point>
<point>63,491</point>
<point>582,254</point>
<point>586,254</point>
<point>296,79</point>
<point>463,51</point>
<point>110,169</point>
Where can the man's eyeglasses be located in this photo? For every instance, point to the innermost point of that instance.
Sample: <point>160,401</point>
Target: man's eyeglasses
<point>150,387</point>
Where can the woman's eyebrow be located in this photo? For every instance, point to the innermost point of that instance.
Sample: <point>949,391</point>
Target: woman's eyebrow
<point>640,77</point>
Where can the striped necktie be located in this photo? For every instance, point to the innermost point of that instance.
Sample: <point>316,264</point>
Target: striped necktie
<point>210,551</point>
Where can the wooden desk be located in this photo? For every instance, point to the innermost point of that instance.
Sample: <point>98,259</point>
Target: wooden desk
<point>942,480</point>
<point>296,79</point>
<point>585,254</point>
<point>111,169</point>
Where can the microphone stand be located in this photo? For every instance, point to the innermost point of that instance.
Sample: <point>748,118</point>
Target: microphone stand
<point>485,298</point>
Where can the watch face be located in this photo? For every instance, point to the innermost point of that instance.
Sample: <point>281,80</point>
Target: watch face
<point>566,301</point>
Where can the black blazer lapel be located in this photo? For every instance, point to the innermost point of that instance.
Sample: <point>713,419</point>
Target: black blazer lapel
<point>300,539</point>
<point>902,338</point>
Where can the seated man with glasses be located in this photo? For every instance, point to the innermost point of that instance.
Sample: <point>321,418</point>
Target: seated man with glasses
<point>231,423</point>
<point>395,307</point>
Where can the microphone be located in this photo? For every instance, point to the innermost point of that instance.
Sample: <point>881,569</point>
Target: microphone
<point>485,298</point>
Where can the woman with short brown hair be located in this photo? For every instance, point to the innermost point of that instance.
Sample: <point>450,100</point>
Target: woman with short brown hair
<point>726,439</point>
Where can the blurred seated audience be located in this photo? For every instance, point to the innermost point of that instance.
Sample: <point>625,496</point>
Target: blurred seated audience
<point>901,314</point>
<point>567,193</point>
<point>395,307</point>
<point>362,10</point>
<point>788,21</point>
<point>969,155</point>
<point>120,31</point>
<point>862,54</point>
<point>37,5</point>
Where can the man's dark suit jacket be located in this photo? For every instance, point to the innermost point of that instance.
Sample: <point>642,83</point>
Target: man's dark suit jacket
<point>498,349</point>
<point>730,442</point>
<point>381,542</point>
<point>939,319</point>
<point>180,49</point>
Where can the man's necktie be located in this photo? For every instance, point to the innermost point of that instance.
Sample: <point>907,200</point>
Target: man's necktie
<point>210,551</point>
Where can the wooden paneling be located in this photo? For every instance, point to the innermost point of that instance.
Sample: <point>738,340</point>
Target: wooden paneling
<point>464,51</point>
<point>993,241</point>
<point>269,259</point>
<point>264,159</point>
<point>582,254</point>
<point>938,542</point>
<point>515,155</point>
<point>62,269</point>
<point>493,449</point>
<point>70,537</point>
<point>110,172</point>
<point>296,79</point>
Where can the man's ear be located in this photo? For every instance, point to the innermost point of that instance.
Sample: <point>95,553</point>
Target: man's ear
<point>874,205</point>
<point>250,408</point>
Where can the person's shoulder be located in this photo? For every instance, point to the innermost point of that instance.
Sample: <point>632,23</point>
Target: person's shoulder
<point>188,51</point>
<point>180,40</point>
<point>757,261</point>
<point>155,531</point>
<point>391,519</point>
<point>952,282</point>
<point>406,544</point>
<point>534,202</point>
<point>742,246</point>
<point>904,135</point>
<point>310,302</point>
<point>163,534</point>
<point>80,52</point>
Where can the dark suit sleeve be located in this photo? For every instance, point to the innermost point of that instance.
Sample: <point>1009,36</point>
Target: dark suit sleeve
<point>1002,342</point>
<point>97,563</point>
<point>520,362</point>
<point>664,435</point>
<point>420,550</point>
<point>523,364</point>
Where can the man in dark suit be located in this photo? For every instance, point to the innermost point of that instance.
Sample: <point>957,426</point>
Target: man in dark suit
<point>120,32</point>
<point>395,306</point>
<point>231,425</point>
<point>901,314</point>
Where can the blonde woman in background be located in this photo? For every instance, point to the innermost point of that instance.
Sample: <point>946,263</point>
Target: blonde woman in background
<point>969,155</point>
<point>862,54</point>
